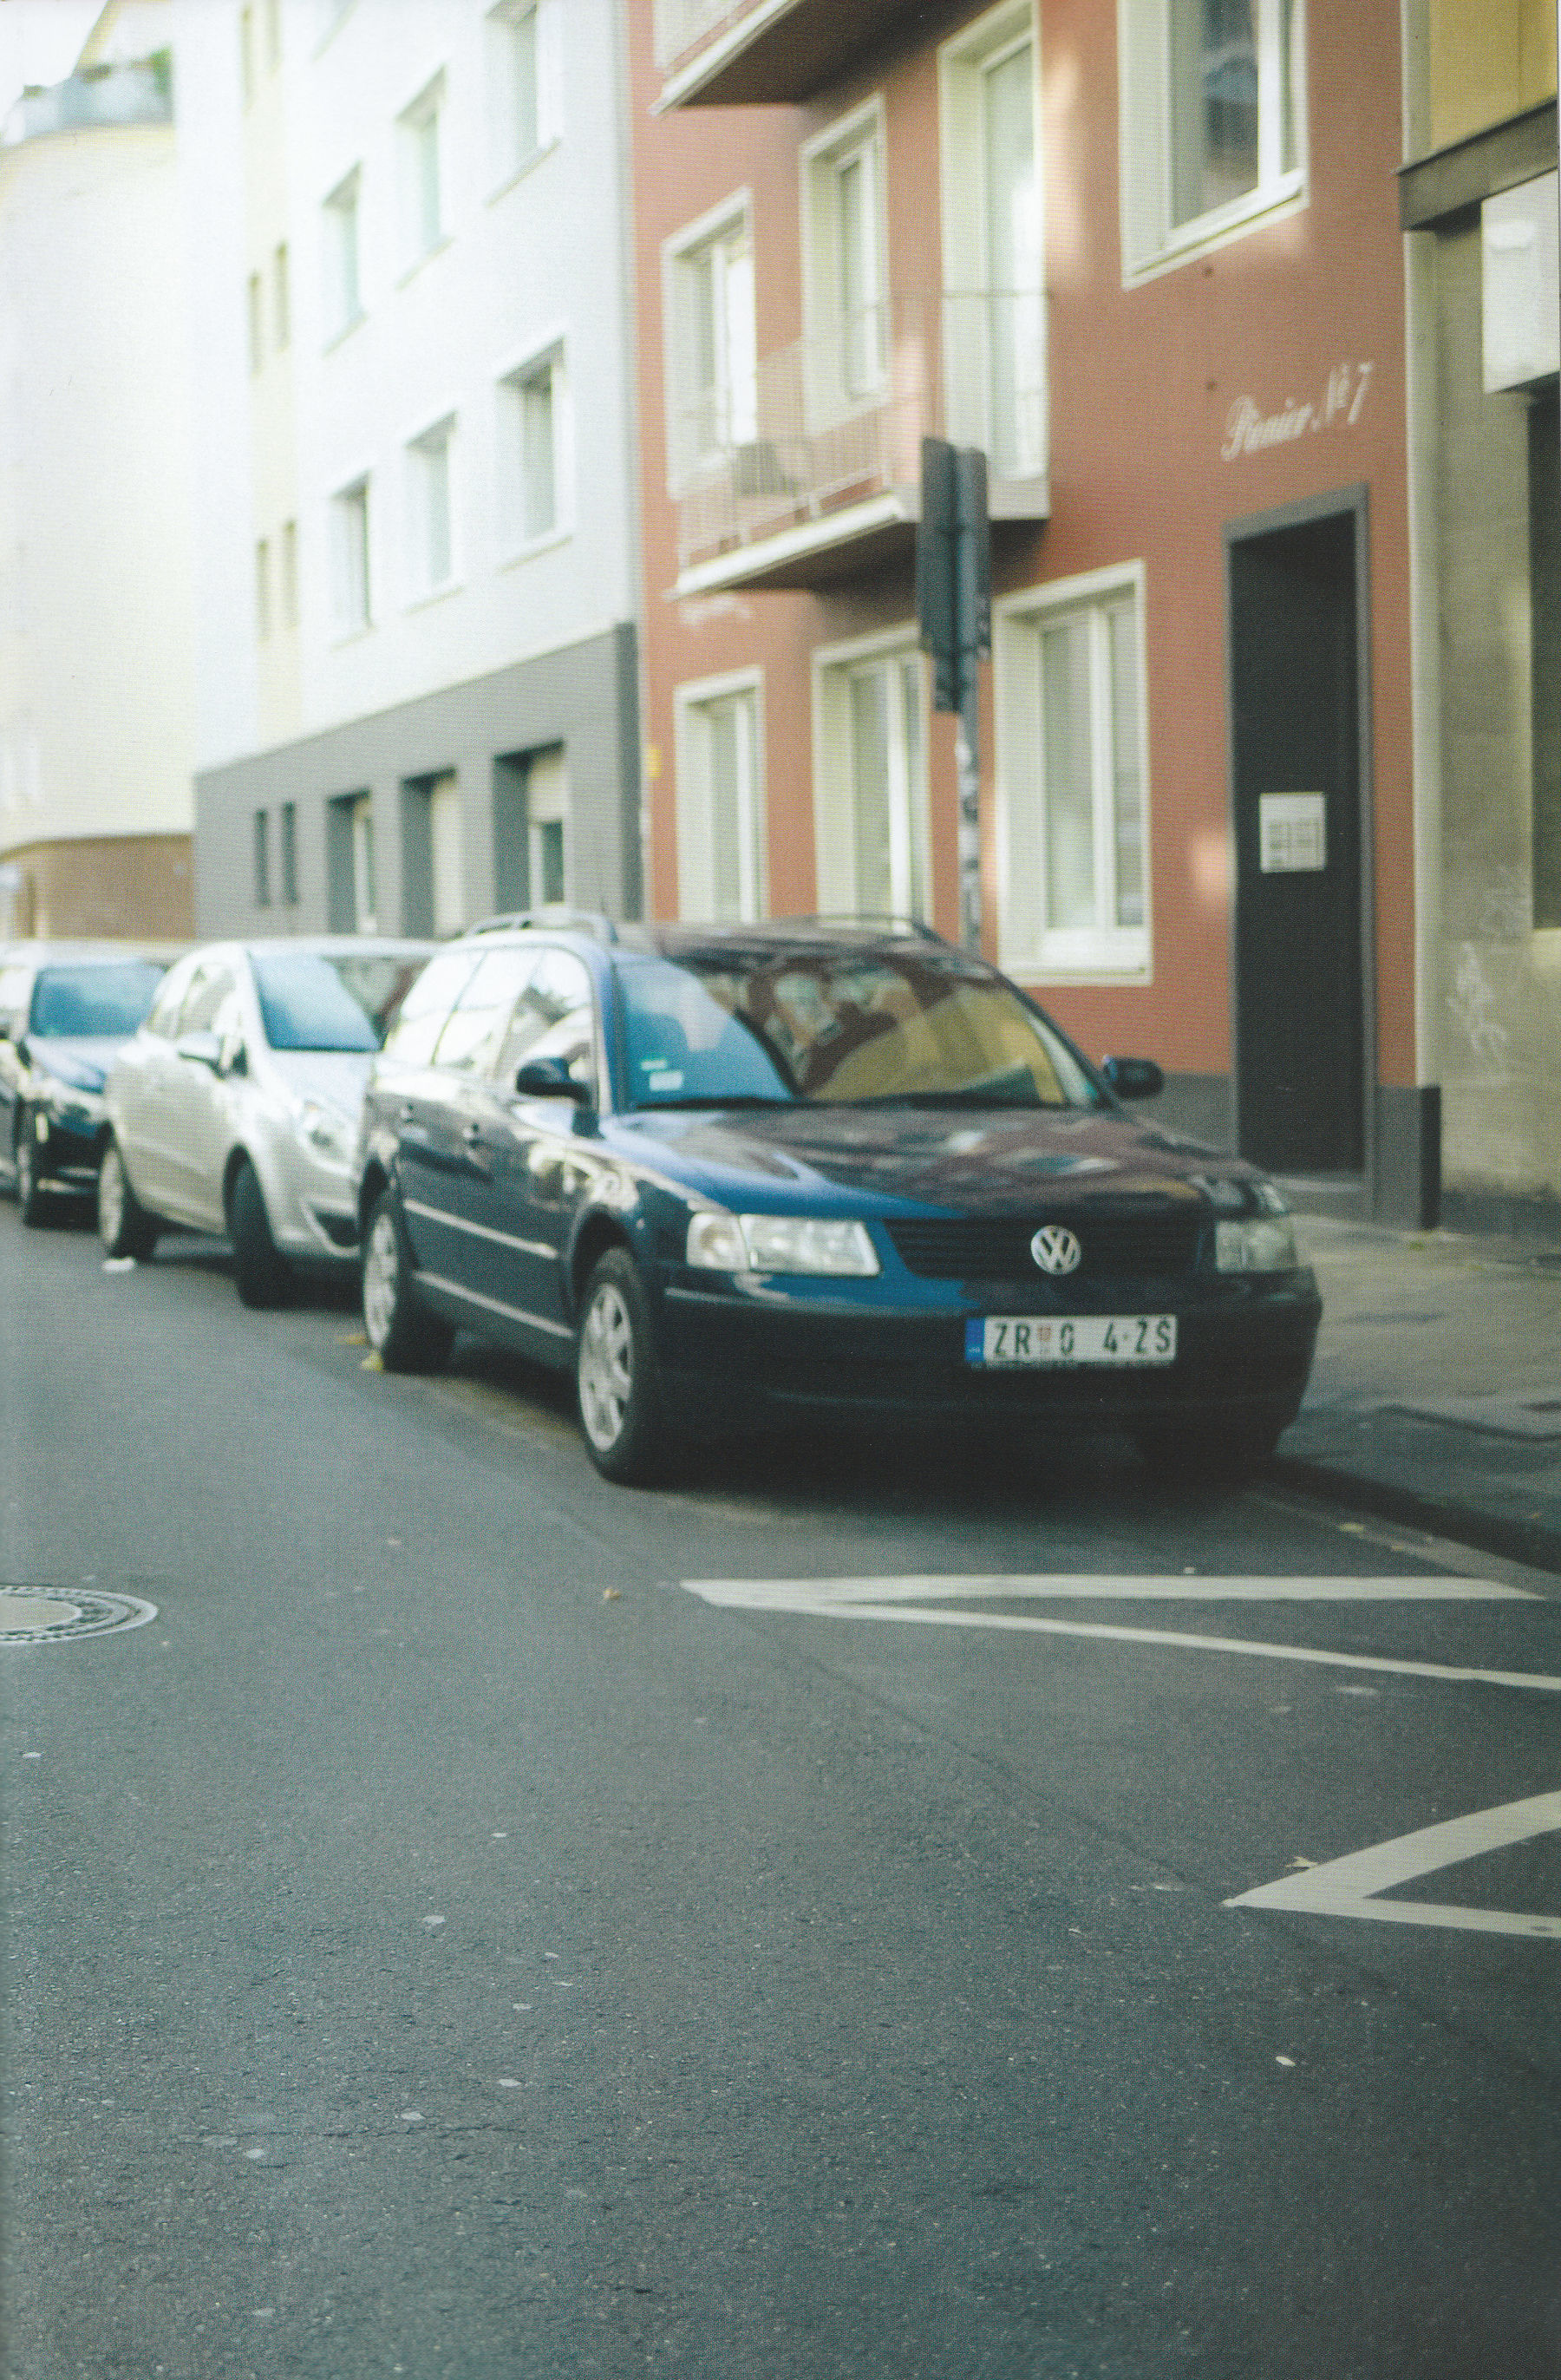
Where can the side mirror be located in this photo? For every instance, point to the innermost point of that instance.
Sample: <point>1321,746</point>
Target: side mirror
<point>1133,1078</point>
<point>235,1057</point>
<point>549,1078</point>
<point>201,1049</point>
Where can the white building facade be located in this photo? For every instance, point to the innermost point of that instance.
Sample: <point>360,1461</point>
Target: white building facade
<point>96,675</point>
<point>418,557</point>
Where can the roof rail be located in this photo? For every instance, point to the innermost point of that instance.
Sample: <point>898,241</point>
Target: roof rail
<point>556,915</point>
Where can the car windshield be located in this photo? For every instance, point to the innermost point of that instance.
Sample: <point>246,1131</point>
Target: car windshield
<point>345,1001</point>
<point>922,1027</point>
<point>83,1003</point>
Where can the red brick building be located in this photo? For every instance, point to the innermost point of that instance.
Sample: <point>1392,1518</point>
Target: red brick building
<point>1146,254</point>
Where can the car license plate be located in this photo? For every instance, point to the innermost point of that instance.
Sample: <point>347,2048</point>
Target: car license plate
<point>1018,1340</point>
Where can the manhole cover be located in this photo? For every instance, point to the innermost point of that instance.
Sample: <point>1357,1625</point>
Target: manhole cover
<point>46,1615</point>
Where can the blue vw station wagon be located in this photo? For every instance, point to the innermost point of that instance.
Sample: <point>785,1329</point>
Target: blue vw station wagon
<point>739,1174</point>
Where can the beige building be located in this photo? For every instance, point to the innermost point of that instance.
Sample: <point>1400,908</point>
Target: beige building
<point>96,714</point>
<point>1478,203</point>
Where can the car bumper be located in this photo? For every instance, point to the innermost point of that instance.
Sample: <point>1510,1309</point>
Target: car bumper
<point>731,1359</point>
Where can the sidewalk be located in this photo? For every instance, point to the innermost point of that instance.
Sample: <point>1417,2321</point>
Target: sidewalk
<point>1435,1397</point>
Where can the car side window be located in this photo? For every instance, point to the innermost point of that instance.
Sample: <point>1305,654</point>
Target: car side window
<point>474,1033</point>
<point>421,1016</point>
<point>555,1017</point>
<point>14,989</point>
<point>162,1019</point>
<point>207,993</point>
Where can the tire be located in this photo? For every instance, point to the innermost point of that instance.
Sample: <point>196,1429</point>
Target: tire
<point>124,1226</point>
<point>1189,1453</point>
<point>260,1273</point>
<point>617,1392</point>
<point>404,1335</point>
<point>30,1186</point>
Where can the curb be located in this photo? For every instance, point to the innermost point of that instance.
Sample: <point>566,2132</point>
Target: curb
<point>1532,1543</point>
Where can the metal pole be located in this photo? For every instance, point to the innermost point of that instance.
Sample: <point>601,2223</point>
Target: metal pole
<point>967,753</point>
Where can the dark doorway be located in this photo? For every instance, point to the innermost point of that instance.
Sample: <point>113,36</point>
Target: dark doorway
<point>1296,764</point>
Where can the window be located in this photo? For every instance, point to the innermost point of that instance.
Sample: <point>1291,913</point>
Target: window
<point>349,540</point>
<point>365,892</point>
<point>547,826</point>
<point>1212,98</point>
<point>844,262</point>
<point>872,797</point>
<point>281,300</point>
<point>422,219</point>
<point>262,589</point>
<point>429,549</point>
<point>721,872</point>
<point>290,574</point>
<point>712,350</point>
<point>554,1017</point>
<point>257,323</point>
<point>532,407</point>
<point>517,77</point>
<point>342,305</point>
<point>262,860</point>
<point>1072,798</point>
<point>994,334</point>
<point>477,1028</point>
<point>447,891</point>
<point>247,53</point>
<point>290,855</point>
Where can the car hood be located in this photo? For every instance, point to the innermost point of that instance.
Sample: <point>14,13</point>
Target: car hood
<point>979,1162</point>
<point>334,1077</point>
<point>82,1059</point>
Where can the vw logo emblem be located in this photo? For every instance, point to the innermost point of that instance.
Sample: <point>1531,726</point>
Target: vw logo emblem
<point>1055,1249</point>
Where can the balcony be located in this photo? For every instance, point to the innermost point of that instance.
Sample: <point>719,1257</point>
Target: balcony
<point>813,473</point>
<point>735,53</point>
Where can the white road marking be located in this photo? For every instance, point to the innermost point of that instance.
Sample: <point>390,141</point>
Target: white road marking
<point>889,1598</point>
<point>1349,1887</point>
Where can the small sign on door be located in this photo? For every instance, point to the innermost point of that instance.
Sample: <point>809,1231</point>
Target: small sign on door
<point>1292,832</point>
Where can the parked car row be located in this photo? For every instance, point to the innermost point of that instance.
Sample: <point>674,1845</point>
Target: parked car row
<point>725,1176</point>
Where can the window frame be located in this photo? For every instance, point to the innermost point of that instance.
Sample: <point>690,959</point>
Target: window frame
<point>265,610</point>
<point>686,461</point>
<point>834,823</point>
<point>281,299</point>
<point>694,796</point>
<point>507,161</point>
<point>413,125</point>
<point>830,393</point>
<point>517,540</point>
<point>1110,953</point>
<point>354,493</point>
<point>423,584</point>
<point>255,322</point>
<point>1152,243</point>
<point>260,856</point>
<point>343,275</point>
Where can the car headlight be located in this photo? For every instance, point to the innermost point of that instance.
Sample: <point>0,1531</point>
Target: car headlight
<point>327,1131</point>
<point>1264,1243</point>
<point>780,1243</point>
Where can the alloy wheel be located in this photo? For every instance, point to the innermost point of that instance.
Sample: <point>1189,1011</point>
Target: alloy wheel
<point>381,1270</point>
<point>607,1376</point>
<point>111,1199</point>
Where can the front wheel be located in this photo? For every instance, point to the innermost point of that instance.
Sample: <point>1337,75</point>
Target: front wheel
<point>626,1436</point>
<point>29,1187</point>
<point>124,1226</point>
<point>261,1272</point>
<point>404,1335</point>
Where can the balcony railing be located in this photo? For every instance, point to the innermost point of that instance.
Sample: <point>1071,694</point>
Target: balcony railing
<point>681,25</point>
<point>833,422</point>
<point>139,92</point>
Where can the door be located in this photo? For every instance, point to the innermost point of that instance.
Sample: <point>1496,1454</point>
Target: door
<point>1296,744</point>
<point>444,1160</point>
<point>194,1108</point>
<point>542,1165</point>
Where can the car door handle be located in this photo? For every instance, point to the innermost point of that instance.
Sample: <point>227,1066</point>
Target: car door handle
<point>405,1112</point>
<point>471,1134</point>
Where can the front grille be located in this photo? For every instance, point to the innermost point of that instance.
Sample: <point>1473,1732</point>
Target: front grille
<point>996,1247</point>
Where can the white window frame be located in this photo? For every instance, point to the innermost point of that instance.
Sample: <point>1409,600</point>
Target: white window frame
<point>352,571</point>
<point>424,578</point>
<point>518,540</point>
<point>255,315</point>
<point>509,162</point>
<point>735,394</point>
<point>834,791</point>
<point>963,63</point>
<point>557,793</point>
<point>365,867</point>
<point>288,570</point>
<point>419,239</point>
<point>692,707</point>
<point>263,605</point>
<point>1151,243</point>
<point>343,255</point>
<point>280,297</point>
<point>834,388</point>
<point>1107,952</point>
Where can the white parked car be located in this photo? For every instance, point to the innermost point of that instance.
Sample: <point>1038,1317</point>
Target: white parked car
<point>234,1107</point>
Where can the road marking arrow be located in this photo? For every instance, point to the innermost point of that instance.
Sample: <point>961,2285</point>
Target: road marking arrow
<point>1350,1887</point>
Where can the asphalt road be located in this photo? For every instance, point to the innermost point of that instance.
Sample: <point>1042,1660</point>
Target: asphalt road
<point>440,1942</point>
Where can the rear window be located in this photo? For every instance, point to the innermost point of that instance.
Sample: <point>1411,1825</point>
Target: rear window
<point>88,1002</point>
<point>343,1001</point>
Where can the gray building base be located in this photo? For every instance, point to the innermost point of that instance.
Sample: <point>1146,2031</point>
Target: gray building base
<point>583,699</point>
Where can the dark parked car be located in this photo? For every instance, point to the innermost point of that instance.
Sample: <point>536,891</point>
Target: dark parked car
<point>65,1009</point>
<point>733,1174</point>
